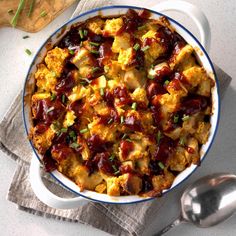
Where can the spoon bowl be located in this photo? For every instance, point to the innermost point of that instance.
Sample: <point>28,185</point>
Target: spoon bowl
<point>207,202</point>
<point>210,200</point>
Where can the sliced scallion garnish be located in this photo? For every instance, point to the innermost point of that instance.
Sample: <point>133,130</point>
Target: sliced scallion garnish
<point>122,119</point>
<point>72,52</point>
<point>161,165</point>
<point>28,51</point>
<point>134,106</point>
<point>110,121</point>
<point>102,91</point>
<point>182,141</point>
<point>136,47</point>
<point>82,131</point>
<point>10,11</point>
<point>63,130</point>
<point>167,82</point>
<point>81,33</point>
<point>94,44</point>
<point>53,97</point>
<point>17,14</point>
<point>63,98</point>
<point>112,157</point>
<point>94,51</point>
<point>145,48</point>
<point>176,119</point>
<point>159,136</point>
<point>74,145</point>
<point>43,13</point>
<point>185,118</point>
<point>31,8</point>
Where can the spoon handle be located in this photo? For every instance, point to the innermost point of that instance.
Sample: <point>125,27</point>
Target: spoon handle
<point>170,226</point>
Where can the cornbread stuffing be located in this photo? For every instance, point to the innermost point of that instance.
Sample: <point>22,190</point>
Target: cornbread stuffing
<point>121,105</point>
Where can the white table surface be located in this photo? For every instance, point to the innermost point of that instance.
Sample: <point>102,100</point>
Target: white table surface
<point>14,63</point>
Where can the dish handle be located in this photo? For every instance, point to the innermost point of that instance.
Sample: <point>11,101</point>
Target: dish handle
<point>47,197</point>
<point>194,13</point>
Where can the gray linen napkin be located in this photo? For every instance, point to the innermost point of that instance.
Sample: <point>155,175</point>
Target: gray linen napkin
<point>115,219</point>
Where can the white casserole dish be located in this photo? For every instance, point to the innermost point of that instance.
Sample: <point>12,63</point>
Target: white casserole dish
<point>200,48</point>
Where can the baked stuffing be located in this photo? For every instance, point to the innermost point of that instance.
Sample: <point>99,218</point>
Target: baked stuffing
<point>121,105</point>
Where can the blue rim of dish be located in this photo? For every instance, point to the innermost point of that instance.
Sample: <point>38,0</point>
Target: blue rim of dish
<point>135,8</point>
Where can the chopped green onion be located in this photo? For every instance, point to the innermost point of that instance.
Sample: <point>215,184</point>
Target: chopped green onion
<point>124,136</point>
<point>176,119</point>
<point>83,82</point>
<point>43,13</point>
<point>161,165</point>
<point>72,135</point>
<point>50,109</point>
<point>151,76</point>
<point>64,130</point>
<point>167,82</point>
<point>159,136</point>
<point>82,131</point>
<point>114,167</point>
<point>185,118</point>
<point>182,141</point>
<point>94,69</point>
<point>26,36</point>
<point>102,91</point>
<point>112,157</point>
<point>28,51</point>
<point>74,145</point>
<point>94,51</point>
<point>134,106</point>
<point>122,119</point>
<point>81,33</point>
<point>31,8</point>
<point>129,140</point>
<point>85,32</point>
<point>117,172</point>
<point>10,11</point>
<point>145,48</point>
<point>53,97</point>
<point>17,14</point>
<point>142,27</point>
<point>63,98</point>
<point>94,44</point>
<point>110,121</point>
<point>56,127</point>
<point>152,66</point>
<point>72,52</point>
<point>136,47</point>
<point>81,44</point>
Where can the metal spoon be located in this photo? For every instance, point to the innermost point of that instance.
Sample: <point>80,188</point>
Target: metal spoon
<point>207,202</point>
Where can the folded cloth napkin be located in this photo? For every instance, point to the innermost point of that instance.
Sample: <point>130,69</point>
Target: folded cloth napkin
<point>135,219</point>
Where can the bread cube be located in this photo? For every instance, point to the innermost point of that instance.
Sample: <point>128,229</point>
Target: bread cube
<point>55,59</point>
<point>113,186</point>
<point>132,184</point>
<point>112,26</point>
<point>121,42</point>
<point>96,25</point>
<point>125,58</point>
<point>69,119</point>
<point>42,141</point>
<point>134,79</point>
<point>45,79</point>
